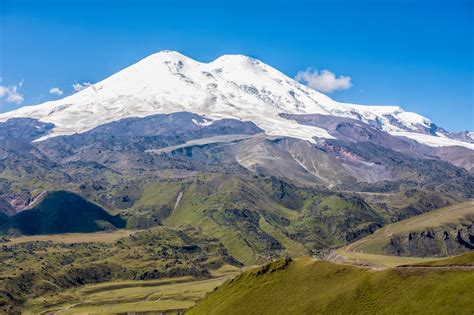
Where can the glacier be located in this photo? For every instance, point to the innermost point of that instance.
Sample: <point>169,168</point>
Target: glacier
<point>232,86</point>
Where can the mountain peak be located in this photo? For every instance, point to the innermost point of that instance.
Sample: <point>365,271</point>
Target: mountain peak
<point>232,86</point>
<point>228,60</point>
<point>170,56</point>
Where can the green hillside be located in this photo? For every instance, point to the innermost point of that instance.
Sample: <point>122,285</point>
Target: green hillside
<point>256,219</point>
<point>260,219</point>
<point>308,286</point>
<point>61,212</point>
<point>441,232</point>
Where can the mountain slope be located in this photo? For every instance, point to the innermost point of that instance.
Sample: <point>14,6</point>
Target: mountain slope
<point>232,86</point>
<point>6,208</point>
<point>441,232</point>
<point>61,212</point>
<point>256,219</point>
<point>307,286</point>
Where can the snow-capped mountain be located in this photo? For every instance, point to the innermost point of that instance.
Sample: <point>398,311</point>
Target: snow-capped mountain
<point>232,86</point>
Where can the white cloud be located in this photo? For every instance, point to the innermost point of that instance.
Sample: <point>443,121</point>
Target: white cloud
<point>56,91</point>
<point>324,81</point>
<point>10,93</point>
<point>80,86</point>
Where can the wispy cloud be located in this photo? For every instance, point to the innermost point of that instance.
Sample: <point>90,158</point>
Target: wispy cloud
<point>80,86</point>
<point>56,91</point>
<point>11,93</point>
<point>323,81</point>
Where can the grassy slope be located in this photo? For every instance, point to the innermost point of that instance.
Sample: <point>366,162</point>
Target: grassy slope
<point>307,286</point>
<point>256,219</point>
<point>460,260</point>
<point>204,202</point>
<point>376,242</point>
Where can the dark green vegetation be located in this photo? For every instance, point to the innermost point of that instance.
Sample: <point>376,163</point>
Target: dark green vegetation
<point>306,286</point>
<point>257,219</point>
<point>31,269</point>
<point>61,212</point>
<point>264,218</point>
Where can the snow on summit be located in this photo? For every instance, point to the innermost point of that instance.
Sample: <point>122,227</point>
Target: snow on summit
<point>232,86</point>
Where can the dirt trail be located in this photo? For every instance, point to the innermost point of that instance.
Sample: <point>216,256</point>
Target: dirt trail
<point>341,259</point>
<point>464,268</point>
<point>65,309</point>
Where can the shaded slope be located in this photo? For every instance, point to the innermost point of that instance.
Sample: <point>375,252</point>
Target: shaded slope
<point>62,212</point>
<point>306,286</point>
<point>6,208</point>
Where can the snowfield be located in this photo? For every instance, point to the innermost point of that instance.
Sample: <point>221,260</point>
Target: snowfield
<point>232,86</point>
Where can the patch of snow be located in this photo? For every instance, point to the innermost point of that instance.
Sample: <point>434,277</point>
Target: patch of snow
<point>205,122</point>
<point>433,141</point>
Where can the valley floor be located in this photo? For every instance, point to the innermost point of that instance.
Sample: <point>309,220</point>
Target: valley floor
<point>71,238</point>
<point>153,296</point>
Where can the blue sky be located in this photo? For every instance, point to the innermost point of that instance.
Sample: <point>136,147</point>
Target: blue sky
<point>416,54</point>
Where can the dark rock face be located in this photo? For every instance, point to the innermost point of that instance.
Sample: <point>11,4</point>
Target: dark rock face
<point>24,128</point>
<point>351,130</point>
<point>463,135</point>
<point>139,135</point>
<point>354,234</point>
<point>408,171</point>
<point>433,243</point>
